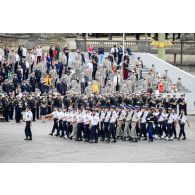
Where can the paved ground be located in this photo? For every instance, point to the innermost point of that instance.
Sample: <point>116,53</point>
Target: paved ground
<point>45,148</point>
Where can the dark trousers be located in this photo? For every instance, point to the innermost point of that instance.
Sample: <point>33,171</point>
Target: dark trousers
<point>31,67</point>
<point>93,74</point>
<point>143,130</point>
<point>150,129</point>
<point>68,129</point>
<point>112,131</point>
<point>55,126</point>
<point>182,130</point>
<point>38,59</point>
<point>93,133</point>
<point>67,58</point>
<point>169,131</point>
<point>174,129</point>
<point>33,112</point>
<point>79,130</point>
<point>86,131</point>
<point>37,112</point>
<point>6,115</point>
<point>11,112</point>
<point>105,130</point>
<point>61,127</point>
<point>27,130</point>
<point>64,126</point>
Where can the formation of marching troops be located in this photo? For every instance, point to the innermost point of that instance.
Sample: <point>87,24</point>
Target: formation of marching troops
<point>109,117</point>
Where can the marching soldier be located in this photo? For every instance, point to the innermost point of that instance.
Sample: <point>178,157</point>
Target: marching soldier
<point>183,119</point>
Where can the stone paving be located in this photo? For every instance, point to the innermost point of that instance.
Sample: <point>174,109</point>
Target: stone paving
<point>45,148</point>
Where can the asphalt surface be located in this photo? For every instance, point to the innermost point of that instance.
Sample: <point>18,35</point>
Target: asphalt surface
<point>45,148</point>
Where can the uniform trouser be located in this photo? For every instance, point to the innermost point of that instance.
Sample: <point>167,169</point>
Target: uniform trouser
<point>169,131</point>
<point>68,129</point>
<point>37,112</point>
<point>55,126</point>
<point>161,128</point>
<point>11,112</point>
<point>182,130</point>
<point>28,130</point>
<point>143,130</point>
<point>6,114</point>
<point>150,129</point>
<point>127,131</point>
<point>112,131</point>
<point>33,112</point>
<point>100,129</point>
<point>133,130</point>
<point>119,130</point>
<point>61,127</point>
<point>174,129</point>
<point>64,127</point>
<point>93,133</point>
<point>74,130</point>
<point>105,130</point>
<point>86,131</point>
<point>79,130</point>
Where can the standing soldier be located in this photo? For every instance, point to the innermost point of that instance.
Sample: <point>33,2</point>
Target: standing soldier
<point>28,120</point>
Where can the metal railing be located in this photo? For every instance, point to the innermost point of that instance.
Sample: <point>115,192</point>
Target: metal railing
<point>137,46</point>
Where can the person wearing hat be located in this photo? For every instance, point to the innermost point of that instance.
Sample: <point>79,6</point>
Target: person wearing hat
<point>120,122</point>
<point>169,121</point>
<point>28,120</point>
<point>182,119</point>
<point>54,115</point>
<point>73,124</point>
<point>104,133</point>
<point>150,121</point>
<point>112,125</point>
<point>126,120</point>
<point>142,117</point>
<point>135,122</point>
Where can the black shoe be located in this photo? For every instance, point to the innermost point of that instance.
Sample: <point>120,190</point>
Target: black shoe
<point>70,138</point>
<point>26,139</point>
<point>178,138</point>
<point>124,139</point>
<point>86,140</point>
<point>30,139</point>
<point>80,139</point>
<point>77,139</point>
<point>114,141</point>
<point>56,135</point>
<point>51,134</point>
<point>96,141</point>
<point>108,141</point>
<point>183,138</point>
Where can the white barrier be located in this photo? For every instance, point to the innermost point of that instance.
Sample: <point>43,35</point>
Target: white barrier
<point>174,73</point>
